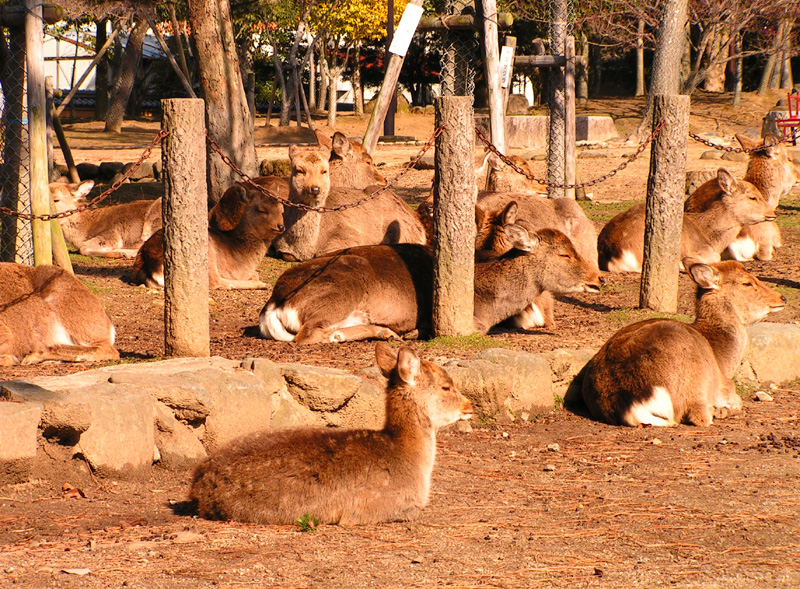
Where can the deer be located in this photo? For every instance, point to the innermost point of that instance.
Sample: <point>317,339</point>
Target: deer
<point>344,477</point>
<point>115,231</point>
<point>663,372</point>
<point>771,170</point>
<point>704,235</point>
<point>242,225</point>
<point>382,291</point>
<point>48,314</point>
<point>502,178</point>
<point>385,218</point>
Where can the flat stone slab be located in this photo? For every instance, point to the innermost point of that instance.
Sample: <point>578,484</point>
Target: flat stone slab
<point>530,132</point>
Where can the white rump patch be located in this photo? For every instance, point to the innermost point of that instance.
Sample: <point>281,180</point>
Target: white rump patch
<point>159,278</point>
<point>627,262</point>
<point>279,323</point>
<point>112,335</point>
<point>352,320</point>
<point>59,336</point>
<point>743,249</point>
<point>657,410</point>
<point>530,317</point>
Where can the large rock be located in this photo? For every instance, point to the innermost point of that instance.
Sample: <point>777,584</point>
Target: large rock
<point>530,132</point>
<point>240,404</point>
<point>504,385</point>
<point>19,427</point>
<point>696,178</point>
<point>187,399</point>
<point>178,443</point>
<point>320,389</point>
<point>121,438</point>
<point>773,354</point>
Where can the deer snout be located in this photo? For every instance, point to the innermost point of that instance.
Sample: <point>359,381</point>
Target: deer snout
<point>770,216</point>
<point>280,228</point>
<point>314,190</point>
<point>467,409</point>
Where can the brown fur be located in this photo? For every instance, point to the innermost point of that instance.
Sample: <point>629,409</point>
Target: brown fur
<point>772,171</point>
<point>339,476</point>
<point>502,178</point>
<point>385,219</point>
<point>48,314</point>
<point>383,290</point>
<point>705,234</point>
<point>241,227</point>
<point>693,364</point>
<point>114,231</point>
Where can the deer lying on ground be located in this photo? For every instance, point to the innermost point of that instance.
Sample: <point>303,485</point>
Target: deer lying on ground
<point>48,314</point>
<point>502,178</point>
<point>705,235</point>
<point>241,228</point>
<point>381,291</point>
<point>384,219</point>
<point>771,171</point>
<point>115,231</point>
<point>664,372</point>
<point>346,477</point>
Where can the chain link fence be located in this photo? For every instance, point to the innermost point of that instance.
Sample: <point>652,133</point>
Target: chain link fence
<point>16,240</point>
<point>459,48</point>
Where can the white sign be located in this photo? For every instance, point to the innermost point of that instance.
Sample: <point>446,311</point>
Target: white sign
<point>506,59</point>
<point>405,30</point>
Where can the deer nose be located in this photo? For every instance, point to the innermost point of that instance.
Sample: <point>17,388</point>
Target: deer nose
<point>315,190</point>
<point>602,280</point>
<point>783,299</point>
<point>280,228</point>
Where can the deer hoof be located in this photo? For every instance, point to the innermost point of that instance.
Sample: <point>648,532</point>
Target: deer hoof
<point>336,337</point>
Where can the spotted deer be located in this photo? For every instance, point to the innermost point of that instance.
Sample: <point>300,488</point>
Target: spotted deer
<point>382,291</point>
<point>664,372</point>
<point>345,477</point>
<point>242,225</point>
<point>771,170</point>
<point>705,234</point>
<point>48,314</point>
<point>114,231</point>
<point>385,218</point>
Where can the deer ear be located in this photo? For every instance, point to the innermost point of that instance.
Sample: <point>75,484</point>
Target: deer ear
<point>520,238</point>
<point>386,357</point>
<point>228,211</point>
<point>83,189</point>
<point>322,139</point>
<point>745,141</point>
<point>495,162</point>
<point>726,181</point>
<point>771,145</point>
<point>704,275</point>
<point>293,151</point>
<point>408,366</point>
<point>510,213</point>
<point>340,145</point>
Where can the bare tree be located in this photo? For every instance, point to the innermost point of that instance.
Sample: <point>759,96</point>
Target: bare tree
<point>126,77</point>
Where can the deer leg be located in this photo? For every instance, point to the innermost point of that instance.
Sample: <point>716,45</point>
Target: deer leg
<point>701,414</point>
<point>64,353</point>
<point>229,284</point>
<point>362,332</point>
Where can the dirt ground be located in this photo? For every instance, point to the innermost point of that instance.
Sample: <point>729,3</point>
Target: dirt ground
<point>611,507</point>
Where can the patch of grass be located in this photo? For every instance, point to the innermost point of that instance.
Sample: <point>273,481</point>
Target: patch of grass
<point>745,389</point>
<point>122,361</point>
<point>475,341</point>
<point>558,402</point>
<point>270,269</point>
<point>605,211</point>
<point>308,523</point>
<point>96,289</point>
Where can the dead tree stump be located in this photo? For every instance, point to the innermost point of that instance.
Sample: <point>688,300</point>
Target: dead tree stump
<point>454,218</point>
<point>185,219</point>
<point>664,209</point>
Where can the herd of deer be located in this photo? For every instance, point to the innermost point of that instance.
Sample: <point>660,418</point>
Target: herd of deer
<point>367,272</point>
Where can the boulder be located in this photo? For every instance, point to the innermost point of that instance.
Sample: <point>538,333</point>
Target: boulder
<point>319,388</point>
<point>19,427</point>
<point>773,354</point>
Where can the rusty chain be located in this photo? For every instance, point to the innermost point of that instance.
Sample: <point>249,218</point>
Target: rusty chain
<point>603,178</point>
<point>99,198</point>
<point>304,207</point>
<point>731,149</point>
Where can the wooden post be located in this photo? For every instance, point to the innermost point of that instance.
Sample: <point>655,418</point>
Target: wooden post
<point>454,218</point>
<point>569,116</point>
<point>664,212</point>
<point>511,42</point>
<point>37,132</point>
<point>491,61</point>
<point>185,219</point>
<point>381,106</point>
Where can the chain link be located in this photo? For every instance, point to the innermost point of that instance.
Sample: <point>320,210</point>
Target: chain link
<point>98,199</point>
<point>731,149</point>
<point>628,159</point>
<point>304,207</point>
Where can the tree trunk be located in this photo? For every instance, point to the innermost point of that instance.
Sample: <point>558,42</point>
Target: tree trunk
<point>737,72</point>
<point>177,37</point>
<point>715,72</point>
<point>101,75</point>
<point>787,82</point>
<point>358,90</point>
<point>686,58</point>
<point>227,113</point>
<point>667,59</point>
<point>772,59</point>
<point>596,59</point>
<point>640,89</point>
<point>324,82</point>
<point>582,71</point>
<point>126,76</point>
<point>312,81</point>
<point>335,72</point>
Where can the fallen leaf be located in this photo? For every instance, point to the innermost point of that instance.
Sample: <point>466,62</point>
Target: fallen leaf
<point>79,572</point>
